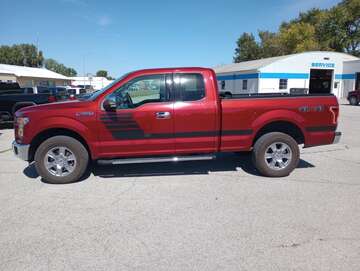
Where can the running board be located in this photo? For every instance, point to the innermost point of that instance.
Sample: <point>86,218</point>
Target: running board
<point>155,159</point>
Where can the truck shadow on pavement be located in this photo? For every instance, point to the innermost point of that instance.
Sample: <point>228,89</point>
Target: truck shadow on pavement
<point>224,162</point>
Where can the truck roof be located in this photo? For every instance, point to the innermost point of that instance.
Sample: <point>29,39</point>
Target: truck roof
<point>176,69</point>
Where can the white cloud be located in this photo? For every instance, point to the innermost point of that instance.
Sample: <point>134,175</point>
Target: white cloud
<point>104,21</point>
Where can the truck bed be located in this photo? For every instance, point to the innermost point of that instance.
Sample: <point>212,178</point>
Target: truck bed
<point>248,113</point>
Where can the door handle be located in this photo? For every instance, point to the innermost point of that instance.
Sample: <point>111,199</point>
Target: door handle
<point>163,115</point>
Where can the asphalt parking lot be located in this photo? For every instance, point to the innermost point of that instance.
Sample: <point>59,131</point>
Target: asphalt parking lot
<point>217,215</point>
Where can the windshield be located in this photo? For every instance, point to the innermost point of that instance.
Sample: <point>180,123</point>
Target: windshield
<point>94,95</point>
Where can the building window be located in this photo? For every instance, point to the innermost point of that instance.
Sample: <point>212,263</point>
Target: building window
<point>244,84</point>
<point>283,83</point>
<point>223,84</point>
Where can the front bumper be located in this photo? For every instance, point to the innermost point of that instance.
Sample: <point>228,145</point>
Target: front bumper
<point>337,137</point>
<point>21,150</point>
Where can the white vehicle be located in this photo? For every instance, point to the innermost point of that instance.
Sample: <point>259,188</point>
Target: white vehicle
<point>75,91</point>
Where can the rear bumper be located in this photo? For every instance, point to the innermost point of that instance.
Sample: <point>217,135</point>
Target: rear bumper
<point>337,137</point>
<point>21,150</point>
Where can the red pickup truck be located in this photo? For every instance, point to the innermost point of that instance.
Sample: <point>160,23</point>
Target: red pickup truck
<point>174,114</point>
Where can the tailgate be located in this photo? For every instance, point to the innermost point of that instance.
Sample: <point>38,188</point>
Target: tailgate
<point>321,117</point>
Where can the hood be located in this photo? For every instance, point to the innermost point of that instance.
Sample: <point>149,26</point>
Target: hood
<point>73,104</point>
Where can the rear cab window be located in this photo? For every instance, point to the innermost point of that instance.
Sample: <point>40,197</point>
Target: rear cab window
<point>189,86</point>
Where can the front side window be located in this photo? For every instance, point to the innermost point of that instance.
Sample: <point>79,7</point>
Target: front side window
<point>191,86</point>
<point>283,83</point>
<point>43,90</point>
<point>72,91</point>
<point>141,90</point>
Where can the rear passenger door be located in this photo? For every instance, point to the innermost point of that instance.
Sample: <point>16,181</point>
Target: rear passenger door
<point>195,114</point>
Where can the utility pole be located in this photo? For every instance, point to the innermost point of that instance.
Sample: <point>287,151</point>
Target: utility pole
<point>84,69</point>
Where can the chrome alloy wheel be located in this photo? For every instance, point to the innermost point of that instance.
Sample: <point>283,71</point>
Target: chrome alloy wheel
<point>60,161</point>
<point>278,155</point>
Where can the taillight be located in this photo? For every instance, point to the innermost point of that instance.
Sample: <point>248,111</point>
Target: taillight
<point>335,112</point>
<point>51,99</point>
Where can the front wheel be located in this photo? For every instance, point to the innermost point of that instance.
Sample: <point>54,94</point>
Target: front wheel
<point>276,154</point>
<point>61,159</point>
<point>353,100</point>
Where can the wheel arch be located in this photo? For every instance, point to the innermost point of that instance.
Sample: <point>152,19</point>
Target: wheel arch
<point>283,126</point>
<point>48,133</point>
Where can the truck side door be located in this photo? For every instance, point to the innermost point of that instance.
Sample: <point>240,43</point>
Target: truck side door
<point>195,109</point>
<point>142,123</point>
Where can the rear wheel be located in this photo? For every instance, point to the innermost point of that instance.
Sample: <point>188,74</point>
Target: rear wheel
<point>354,100</point>
<point>61,159</point>
<point>276,154</point>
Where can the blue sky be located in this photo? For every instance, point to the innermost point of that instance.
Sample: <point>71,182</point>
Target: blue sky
<point>120,36</point>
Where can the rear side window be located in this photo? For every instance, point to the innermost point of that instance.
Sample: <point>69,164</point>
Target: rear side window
<point>191,86</point>
<point>13,91</point>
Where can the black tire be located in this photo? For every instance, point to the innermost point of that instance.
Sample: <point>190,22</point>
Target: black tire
<point>261,146</point>
<point>78,150</point>
<point>228,95</point>
<point>353,100</point>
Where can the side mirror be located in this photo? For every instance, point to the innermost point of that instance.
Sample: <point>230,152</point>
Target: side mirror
<point>109,104</point>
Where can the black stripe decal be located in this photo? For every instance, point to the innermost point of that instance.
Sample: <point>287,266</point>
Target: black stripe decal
<point>236,132</point>
<point>115,119</point>
<point>125,127</point>
<point>321,128</point>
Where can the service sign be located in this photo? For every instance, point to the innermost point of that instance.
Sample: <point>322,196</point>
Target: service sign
<point>322,65</point>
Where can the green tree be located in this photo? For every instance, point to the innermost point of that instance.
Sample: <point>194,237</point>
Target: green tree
<point>247,48</point>
<point>341,27</point>
<point>22,55</point>
<point>297,38</point>
<point>269,44</point>
<point>102,73</point>
<point>335,29</point>
<point>315,17</point>
<point>57,67</point>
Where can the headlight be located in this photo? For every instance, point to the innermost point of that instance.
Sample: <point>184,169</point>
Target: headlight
<point>21,122</point>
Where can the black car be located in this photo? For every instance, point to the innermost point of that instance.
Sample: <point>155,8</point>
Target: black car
<point>12,100</point>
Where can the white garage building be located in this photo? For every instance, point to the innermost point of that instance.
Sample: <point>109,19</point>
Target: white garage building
<point>87,82</point>
<point>29,77</point>
<point>314,72</point>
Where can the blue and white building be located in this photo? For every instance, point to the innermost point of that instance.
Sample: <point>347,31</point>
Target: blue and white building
<point>313,72</point>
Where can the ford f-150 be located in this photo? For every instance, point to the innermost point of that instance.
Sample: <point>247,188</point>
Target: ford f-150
<point>171,114</point>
